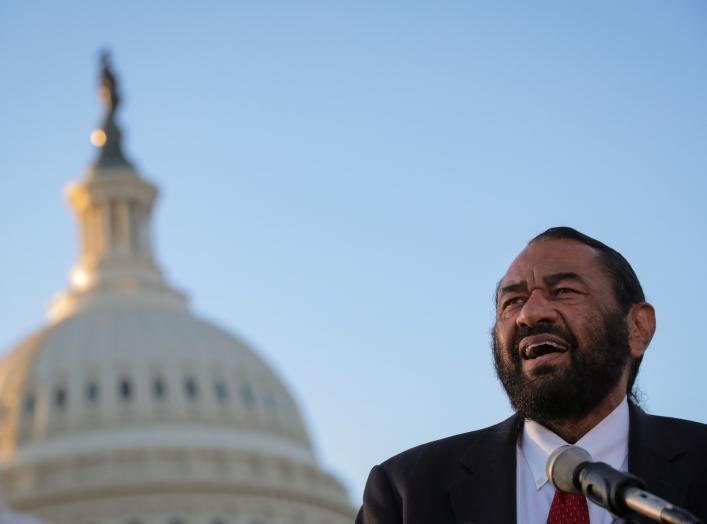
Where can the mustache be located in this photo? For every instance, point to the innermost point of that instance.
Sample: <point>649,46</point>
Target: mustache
<point>542,329</point>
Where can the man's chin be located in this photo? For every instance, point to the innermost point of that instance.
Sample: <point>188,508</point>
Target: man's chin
<point>541,371</point>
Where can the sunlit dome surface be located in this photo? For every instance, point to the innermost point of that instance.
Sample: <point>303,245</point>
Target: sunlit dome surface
<point>127,409</point>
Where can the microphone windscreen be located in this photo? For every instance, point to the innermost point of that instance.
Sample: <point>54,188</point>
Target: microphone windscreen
<point>561,465</point>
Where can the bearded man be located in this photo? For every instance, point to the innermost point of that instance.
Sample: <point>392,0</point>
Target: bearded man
<point>572,326</point>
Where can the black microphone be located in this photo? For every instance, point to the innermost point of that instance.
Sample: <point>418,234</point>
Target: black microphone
<point>572,470</point>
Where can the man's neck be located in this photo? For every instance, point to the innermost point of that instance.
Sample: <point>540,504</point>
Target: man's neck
<point>572,430</point>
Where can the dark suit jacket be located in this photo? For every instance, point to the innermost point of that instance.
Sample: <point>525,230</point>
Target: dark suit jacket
<point>471,478</point>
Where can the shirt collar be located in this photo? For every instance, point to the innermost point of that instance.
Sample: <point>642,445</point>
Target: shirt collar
<point>606,442</point>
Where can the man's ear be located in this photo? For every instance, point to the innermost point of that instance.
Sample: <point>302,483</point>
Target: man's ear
<point>641,327</point>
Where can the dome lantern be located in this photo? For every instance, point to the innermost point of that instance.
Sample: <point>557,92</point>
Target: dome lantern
<point>113,207</point>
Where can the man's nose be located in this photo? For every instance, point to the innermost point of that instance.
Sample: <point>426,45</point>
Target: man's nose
<point>536,309</point>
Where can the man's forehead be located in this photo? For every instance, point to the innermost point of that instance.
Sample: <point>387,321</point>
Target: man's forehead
<point>552,256</point>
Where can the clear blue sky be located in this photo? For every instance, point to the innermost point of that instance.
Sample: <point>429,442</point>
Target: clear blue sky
<point>344,182</point>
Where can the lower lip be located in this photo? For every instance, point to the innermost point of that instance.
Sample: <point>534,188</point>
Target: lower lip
<point>544,360</point>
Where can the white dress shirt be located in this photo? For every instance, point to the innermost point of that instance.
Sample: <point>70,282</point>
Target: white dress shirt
<point>606,442</point>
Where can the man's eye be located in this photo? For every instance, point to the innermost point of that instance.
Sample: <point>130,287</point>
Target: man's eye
<point>515,301</point>
<point>564,291</point>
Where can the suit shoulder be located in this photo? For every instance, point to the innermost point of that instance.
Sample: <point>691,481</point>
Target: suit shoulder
<point>689,431</point>
<point>674,435</point>
<point>444,445</point>
<point>438,454</point>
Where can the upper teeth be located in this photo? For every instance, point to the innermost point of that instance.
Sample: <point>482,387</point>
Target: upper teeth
<point>529,350</point>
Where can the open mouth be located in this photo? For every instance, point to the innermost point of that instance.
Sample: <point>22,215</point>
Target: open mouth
<point>539,348</point>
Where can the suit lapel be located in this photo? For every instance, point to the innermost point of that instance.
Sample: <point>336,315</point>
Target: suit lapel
<point>487,491</point>
<point>654,456</point>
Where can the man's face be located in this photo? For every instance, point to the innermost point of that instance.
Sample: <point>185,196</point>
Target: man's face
<point>560,341</point>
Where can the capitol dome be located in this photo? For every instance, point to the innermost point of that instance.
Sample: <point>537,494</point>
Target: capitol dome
<point>127,409</point>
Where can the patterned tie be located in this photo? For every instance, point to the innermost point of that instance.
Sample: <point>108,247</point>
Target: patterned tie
<point>568,508</point>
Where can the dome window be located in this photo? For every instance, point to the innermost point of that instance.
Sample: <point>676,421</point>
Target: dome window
<point>190,389</point>
<point>60,397</point>
<point>125,389</point>
<point>159,390</point>
<point>29,405</point>
<point>221,391</point>
<point>247,396</point>
<point>92,392</point>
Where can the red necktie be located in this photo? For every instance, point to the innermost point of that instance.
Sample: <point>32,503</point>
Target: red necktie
<point>568,508</point>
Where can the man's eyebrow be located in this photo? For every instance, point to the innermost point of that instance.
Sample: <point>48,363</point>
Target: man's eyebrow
<point>550,280</point>
<point>556,278</point>
<point>512,288</point>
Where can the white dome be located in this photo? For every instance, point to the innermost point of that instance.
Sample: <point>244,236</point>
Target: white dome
<point>130,371</point>
<point>126,409</point>
<point>150,403</point>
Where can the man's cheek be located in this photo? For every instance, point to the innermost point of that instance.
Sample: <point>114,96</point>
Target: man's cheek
<point>508,354</point>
